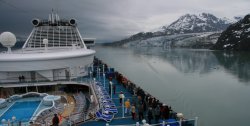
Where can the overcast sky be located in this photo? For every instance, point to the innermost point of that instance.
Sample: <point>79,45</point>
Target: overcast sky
<point>109,20</point>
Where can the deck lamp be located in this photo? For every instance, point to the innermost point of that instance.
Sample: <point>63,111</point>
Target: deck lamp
<point>111,86</point>
<point>104,80</point>
<point>99,75</point>
<point>122,96</point>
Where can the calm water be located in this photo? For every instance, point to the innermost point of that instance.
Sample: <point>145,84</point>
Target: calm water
<point>215,86</point>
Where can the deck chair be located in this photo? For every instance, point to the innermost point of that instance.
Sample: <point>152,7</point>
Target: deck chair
<point>105,117</point>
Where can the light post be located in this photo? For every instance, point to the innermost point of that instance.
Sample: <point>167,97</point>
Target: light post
<point>92,67</point>
<point>103,68</point>
<point>104,79</point>
<point>122,96</point>
<point>90,75</point>
<point>99,75</point>
<point>111,91</point>
<point>94,81</point>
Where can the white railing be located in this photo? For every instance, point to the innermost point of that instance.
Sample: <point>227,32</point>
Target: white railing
<point>31,81</point>
<point>190,122</point>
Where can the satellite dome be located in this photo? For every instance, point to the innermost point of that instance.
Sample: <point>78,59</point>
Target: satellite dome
<point>7,39</point>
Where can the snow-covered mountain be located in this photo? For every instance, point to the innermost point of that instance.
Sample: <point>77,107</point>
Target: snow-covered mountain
<point>190,31</point>
<point>189,40</point>
<point>191,23</point>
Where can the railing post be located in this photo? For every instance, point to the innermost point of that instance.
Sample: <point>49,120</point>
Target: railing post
<point>123,107</point>
<point>137,124</point>
<point>144,122</point>
<point>180,122</point>
<point>196,121</point>
<point>163,123</point>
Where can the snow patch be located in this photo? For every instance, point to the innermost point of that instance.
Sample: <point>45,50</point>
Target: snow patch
<point>225,46</point>
<point>248,30</point>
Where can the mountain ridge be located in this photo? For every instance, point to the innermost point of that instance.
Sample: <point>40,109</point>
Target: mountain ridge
<point>186,24</point>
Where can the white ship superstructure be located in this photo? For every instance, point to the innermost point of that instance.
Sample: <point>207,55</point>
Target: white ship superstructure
<point>55,50</point>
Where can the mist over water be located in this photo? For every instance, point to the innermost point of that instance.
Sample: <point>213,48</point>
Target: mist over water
<point>212,85</point>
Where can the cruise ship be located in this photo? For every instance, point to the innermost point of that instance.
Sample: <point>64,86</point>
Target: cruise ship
<point>50,68</point>
<point>55,72</point>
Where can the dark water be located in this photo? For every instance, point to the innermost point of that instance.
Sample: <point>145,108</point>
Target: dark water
<point>215,86</point>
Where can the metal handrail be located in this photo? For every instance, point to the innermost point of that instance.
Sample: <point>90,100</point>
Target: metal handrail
<point>37,80</point>
<point>164,123</point>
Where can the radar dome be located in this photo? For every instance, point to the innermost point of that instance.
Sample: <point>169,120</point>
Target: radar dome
<point>8,39</point>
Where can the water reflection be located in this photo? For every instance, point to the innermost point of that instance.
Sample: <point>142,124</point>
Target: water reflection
<point>202,61</point>
<point>236,63</point>
<point>184,60</point>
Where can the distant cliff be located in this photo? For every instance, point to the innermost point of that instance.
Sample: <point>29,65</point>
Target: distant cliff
<point>235,37</point>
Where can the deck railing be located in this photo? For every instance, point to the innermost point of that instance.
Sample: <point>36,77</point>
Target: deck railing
<point>71,120</point>
<point>190,122</point>
<point>31,82</point>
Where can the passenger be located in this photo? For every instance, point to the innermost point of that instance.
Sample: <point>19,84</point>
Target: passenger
<point>150,101</point>
<point>165,112</point>
<point>140,110</point>
<point>110,78</point>
<point>55,120</point>
<point>157,113</point>
<point>139,98</point>
<point>23,78</point>
<point>154,103</point>
<point>110,88</point>
<point>121,95</point>
<point>127,106</point>
<point>150,115</point>
<point>20,78</point>
<point>144,106</point>
<point>133,113</point>
<point>114,88</point>
<point>60,117</point>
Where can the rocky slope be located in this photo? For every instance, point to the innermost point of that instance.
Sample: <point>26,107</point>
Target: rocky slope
<point>235,37</point>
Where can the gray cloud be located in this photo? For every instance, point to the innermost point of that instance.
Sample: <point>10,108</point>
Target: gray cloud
<point>109,20</point>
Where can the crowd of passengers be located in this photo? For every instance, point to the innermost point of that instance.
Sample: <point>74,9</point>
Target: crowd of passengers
<point>142,105</point>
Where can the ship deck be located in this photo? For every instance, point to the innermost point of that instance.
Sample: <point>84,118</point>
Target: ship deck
<point>118,119</point>
<point>126,120</point>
